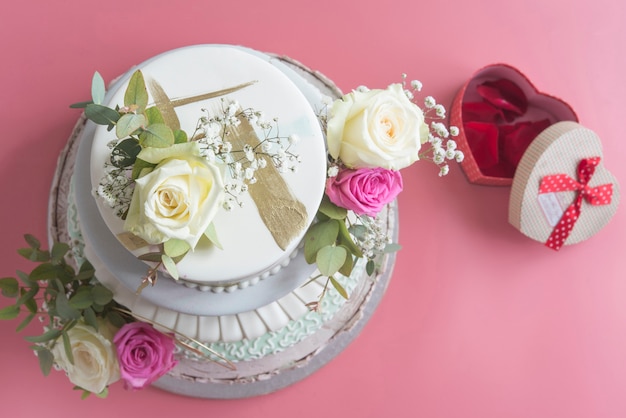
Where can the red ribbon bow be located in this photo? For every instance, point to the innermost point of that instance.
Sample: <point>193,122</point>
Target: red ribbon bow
<point>595,196</point>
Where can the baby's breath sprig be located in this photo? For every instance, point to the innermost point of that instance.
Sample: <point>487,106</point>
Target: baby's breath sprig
<point>214,132</point>
<point>440,146</point>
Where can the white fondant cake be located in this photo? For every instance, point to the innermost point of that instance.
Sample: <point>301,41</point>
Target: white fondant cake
<point>264,328</point>
<point>249,249</point>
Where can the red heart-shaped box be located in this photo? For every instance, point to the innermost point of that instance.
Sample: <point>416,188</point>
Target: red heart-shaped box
<point>541,106</point>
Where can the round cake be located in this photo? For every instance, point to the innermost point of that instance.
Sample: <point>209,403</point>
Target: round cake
<point>242,319</point>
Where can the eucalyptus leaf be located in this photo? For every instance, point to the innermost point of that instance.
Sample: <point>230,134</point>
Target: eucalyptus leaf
<point>32,241</point>
<point>101,115</point>
<point>330,259</point>
<point>98,89</point>
<point>35,255</point>
<point>125,153</point>
<point>59,249</point>
<point>67,346</point>
<point>10,312</point>
<point>347,267</point>
<point>24,277</point>
<point>101,295</point>
<point>370,267</point>
<point>331,210</point>
<point>27,295</point>
<point>346,239</point>
<point>86,271</point>
<point>358,231</point>
<point>339,287</point>
<point>9,286</point>
<point>115,319</point>
<point>211,234</point>
<point>129,123</point>
<point>318,236</point>
<point>46,360</point>
<point>180,136</point>
<point>82,299</point>
<point>63,308</point>
<point>151,257</point>
<point>154,115</point>
<point>49,335</point>
<point>45,271</point>
<point>25,322</point>
<point>175,247</point>
<point>170,266</point>
<point>139,166</point>
<point>90,318</point>
<point>157,135</point>
<point>392,248</point>
<point>136,92</point>
<point>80,105</point>
<point>31,305</point>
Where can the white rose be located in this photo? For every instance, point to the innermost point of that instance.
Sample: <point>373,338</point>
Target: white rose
<point>178,198</point>
<point>376,128</point>
<point>95,361</point>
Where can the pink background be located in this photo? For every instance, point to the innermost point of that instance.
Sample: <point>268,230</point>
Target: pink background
<point>478,321</point>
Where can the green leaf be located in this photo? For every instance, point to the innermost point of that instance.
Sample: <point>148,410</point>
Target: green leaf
<point>103,394</point>
<point>346,239</point>
<point>358,231</point>
<point>86,271</point>
<point>157,135</point>
<point>67,347</point>
<point>82,299</point>
<point>9,286</point>
<point>10,312</point>
<point>115,319</point>
<point>25,322</point>
<point>170,266</point>
<point>139,166</point>
<point>370,267</point>
<point>25,278</point>
<point>330,259</point>
<point>59,249</point>
<point>27,295</point>
<point>339,287</point>
<point>129,123</point>
<point>211,234</point>
<point>150,257</point>
<point>101,295</point>
<point>35,255</point>
<point>44,271</point>
<point>63,308</point>
<point>331,210</point>
<point>175,247</point>
<point>49,335</point>
<point>318,236</point>
<point>136,93</point>
<point>46,359</point>
<point>97,88</point>
<point>392,248</point>
<point>80,105</point>
<point>89,316</point>
<point>125,153</point>
<point>31,305</point>
<point>101,115</point>
<point>153,114</point>
<point>32,241</point>
<point>347,267</point>
<point>180,136</point>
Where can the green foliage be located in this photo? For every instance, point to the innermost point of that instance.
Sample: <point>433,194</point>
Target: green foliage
<point>53,289</point>
<point>97,88</point>
<point>136,94</point>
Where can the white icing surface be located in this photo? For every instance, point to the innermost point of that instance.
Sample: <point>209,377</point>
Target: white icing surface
<point>249,249</point>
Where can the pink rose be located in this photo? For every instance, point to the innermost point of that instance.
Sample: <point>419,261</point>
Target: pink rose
<point>364,191</point>
<point>144,354</point>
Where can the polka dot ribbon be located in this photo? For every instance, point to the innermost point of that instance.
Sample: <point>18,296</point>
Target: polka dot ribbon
<point>595,196</point>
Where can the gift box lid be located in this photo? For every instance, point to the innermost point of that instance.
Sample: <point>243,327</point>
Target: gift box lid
<point>562,193</point>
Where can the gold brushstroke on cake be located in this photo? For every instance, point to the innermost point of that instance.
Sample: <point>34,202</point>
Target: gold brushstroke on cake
<point>131,241</point>
<point>282,213</point>
<point>221,360</point>
<point>166,105</point>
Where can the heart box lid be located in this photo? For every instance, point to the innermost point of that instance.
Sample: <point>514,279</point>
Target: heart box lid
<point>562,193</point>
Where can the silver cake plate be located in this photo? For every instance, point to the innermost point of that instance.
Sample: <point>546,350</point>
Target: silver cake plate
<point>256,377</point>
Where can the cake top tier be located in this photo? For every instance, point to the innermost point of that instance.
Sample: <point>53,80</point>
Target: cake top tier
<point>232,96</point>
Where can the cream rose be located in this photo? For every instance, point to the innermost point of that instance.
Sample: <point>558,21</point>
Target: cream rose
<point>376,128</point>
<point>178,198</point>
<point>95,361</point>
